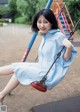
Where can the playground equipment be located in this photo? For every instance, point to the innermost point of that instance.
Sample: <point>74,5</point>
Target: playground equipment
<point>63,17</point>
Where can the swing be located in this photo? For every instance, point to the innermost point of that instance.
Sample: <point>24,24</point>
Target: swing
<point>40,85</point>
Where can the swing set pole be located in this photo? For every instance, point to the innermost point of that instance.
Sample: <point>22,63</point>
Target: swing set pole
<point>34,36</point>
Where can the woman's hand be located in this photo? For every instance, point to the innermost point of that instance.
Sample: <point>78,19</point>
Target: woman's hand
<point>66,43</point>
<point>68,51</point>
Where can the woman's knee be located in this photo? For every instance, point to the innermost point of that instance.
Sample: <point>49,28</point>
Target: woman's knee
<point>5,70</point>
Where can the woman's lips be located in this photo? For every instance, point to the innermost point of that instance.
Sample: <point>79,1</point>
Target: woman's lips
<point>43,29</point>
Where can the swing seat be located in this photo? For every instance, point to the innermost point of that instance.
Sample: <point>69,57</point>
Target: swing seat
<point>38,86</point>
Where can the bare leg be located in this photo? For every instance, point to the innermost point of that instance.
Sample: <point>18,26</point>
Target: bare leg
<point>12,84</point>
<point>6,70</point>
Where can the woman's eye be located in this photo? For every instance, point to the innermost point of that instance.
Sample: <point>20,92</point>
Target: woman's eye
<point>42,22</point>
<point>39,21</point>
<point>45,22</point>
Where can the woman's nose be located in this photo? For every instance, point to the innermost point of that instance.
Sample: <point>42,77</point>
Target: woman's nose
<point>42,24</point>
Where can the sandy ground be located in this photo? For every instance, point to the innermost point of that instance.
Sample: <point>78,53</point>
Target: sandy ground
<point>13,42</point>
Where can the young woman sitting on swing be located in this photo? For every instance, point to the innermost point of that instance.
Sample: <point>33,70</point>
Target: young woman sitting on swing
<point>52,42</point>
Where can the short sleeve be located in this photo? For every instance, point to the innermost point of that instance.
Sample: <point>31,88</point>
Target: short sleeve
<point>74,52</point>
<point>60,38</point>
<point>69,62</point>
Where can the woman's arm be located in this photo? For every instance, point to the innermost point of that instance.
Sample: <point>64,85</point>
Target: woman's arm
<point>68,51</point>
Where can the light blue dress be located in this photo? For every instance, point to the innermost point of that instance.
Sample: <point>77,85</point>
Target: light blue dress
<point>51,44</point>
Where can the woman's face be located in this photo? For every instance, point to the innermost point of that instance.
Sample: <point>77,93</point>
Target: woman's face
<point>43,24</point>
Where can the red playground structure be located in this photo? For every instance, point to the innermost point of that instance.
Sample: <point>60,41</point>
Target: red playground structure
<point>63,17</point>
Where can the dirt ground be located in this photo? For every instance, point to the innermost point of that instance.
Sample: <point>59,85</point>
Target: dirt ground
<point>13,42</point>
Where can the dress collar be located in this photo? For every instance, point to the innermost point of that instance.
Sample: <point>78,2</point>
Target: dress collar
<point>50,32</point>
<point>54,31</point>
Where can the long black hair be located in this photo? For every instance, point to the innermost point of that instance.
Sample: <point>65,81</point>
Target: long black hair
<point>49,15</point>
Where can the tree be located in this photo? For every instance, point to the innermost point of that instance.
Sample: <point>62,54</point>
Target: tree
<point>3,10</point>
<point>13,8</point>
<point>26,9</point>
<point>74,9</point>
<point>21,7</point>
<point>41,4</point>
<point>31,9</point>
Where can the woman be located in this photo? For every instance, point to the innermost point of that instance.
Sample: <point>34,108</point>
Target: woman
<point>52,42</point>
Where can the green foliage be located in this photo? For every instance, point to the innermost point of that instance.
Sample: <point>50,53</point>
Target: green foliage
<point>31,9</point>
<point>21,7</point>
<point>1,24</point>
<point>41,4</point>
<point>26,8</point>
<point>74,9</point>
<point>20,20</point>
<point>3,10</point>
<point>13,8</point>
